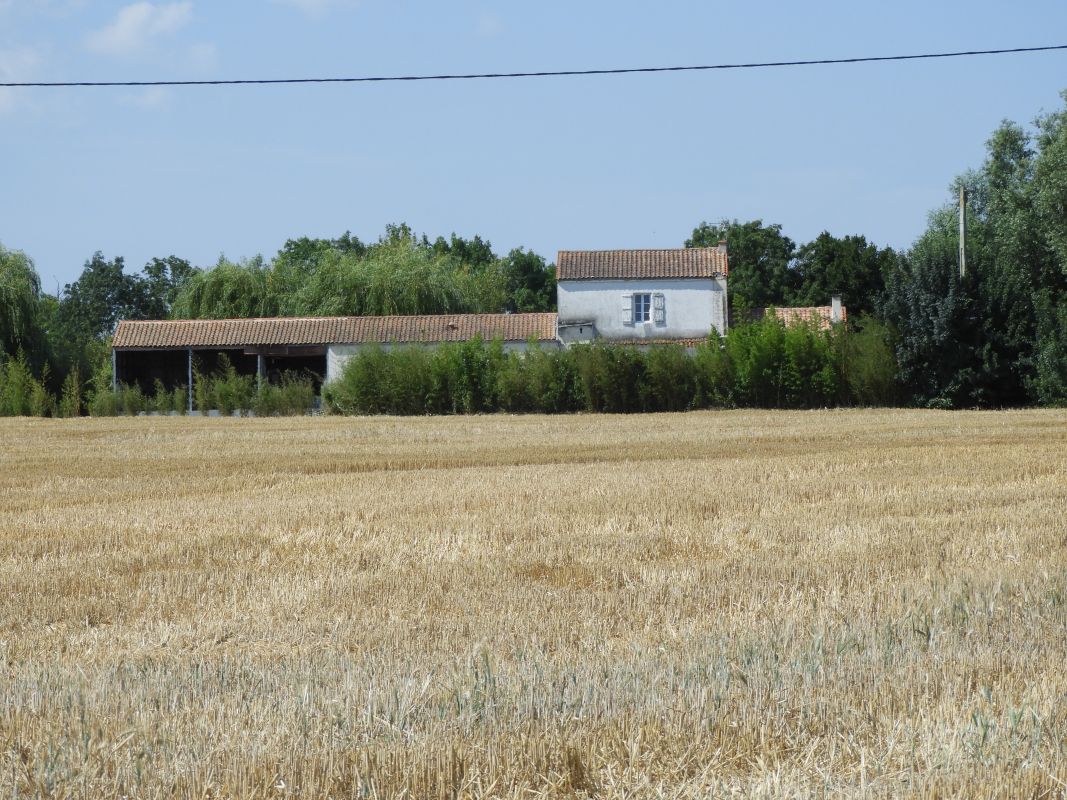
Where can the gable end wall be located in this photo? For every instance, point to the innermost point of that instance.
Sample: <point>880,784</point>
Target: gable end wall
<point>693,306</point>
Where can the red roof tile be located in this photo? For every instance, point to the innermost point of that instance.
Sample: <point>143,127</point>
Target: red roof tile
<point>820,315</point>
<point>688,262</point>
<point>233,333</point>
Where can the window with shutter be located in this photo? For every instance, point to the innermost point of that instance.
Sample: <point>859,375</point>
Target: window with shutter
<point>642,307</point>
<point>627,309</point>
<point>659,309</point>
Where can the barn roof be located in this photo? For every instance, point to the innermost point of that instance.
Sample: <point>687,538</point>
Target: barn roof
<point>223,333</point>
<point>688,262</point>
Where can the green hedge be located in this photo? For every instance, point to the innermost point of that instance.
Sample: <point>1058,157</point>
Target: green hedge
<point>761,365</point>
<point>21,393</point>
<point>764,364</point>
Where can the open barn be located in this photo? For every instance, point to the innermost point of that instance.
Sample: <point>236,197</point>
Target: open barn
<point>173,352</point>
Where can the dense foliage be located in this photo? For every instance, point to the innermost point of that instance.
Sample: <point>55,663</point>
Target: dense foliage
<point>918,333</point>
<point>764,364</point>
<point>768,269</point>
<point>222,390</point>
<point>996,336</point>
<point>20,305</point>
<point>399,274</point>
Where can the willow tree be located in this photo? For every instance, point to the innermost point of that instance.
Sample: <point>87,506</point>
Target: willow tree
<point>20,303</point>
<point>228,291</point>
<point>397,277</point>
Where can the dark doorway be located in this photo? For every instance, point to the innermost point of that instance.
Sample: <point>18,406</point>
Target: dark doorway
<point>142,368</point>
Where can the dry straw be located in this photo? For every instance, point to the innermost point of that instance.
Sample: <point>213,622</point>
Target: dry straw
<point>709,604</point>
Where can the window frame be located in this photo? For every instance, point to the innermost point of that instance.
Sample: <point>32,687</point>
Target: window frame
<point>642,307</point>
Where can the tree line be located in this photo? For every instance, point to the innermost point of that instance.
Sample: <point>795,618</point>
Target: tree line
<point>995,337</point>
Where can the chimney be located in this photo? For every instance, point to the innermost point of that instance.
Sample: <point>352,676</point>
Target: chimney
<point>722,246</point>
<point>835,308</point>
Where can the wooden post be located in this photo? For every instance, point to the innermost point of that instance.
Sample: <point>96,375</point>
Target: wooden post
<point>261,369</point>
<point>114,370</point>
<point>190,380</point>
<point>963,232</point>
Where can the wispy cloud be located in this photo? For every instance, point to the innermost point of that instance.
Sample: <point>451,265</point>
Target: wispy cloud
<point>316,8</point>
<point>17,64</point>
<point>136,25</point>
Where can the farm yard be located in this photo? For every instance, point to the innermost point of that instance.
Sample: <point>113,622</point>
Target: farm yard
<point>738,603</point>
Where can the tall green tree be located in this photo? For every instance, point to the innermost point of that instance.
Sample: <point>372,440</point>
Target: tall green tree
<point>480,273</point>
<point>396,277</point>
<point>926,303</point>
<point>103,294</point>
<point>475,253</point>
<point>229,290</point>
<point>1049,383</point>
<point>87,311</point>
<point>1013,264</point>
<point>1002,342</point>
<point>850,266</point>
<point>304,254</point>
<point>20,305</point>
<point>1049,380</point>
<point>760,261</point>
<point>1050,181</point>
<point>299,259</point>
<point>160,283</point>
<point>531,283</point>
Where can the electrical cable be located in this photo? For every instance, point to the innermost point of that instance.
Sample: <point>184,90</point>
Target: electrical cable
<point>542,74</point>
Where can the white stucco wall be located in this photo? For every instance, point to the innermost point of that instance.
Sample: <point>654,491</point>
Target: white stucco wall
<point>692,307</point>
<point>337,355</point>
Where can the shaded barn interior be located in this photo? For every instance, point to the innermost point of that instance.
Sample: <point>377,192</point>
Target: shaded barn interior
<point>142,368</point>
<point>173,367</point>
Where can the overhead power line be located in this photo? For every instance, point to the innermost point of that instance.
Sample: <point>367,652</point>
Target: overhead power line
<point>542,74</point>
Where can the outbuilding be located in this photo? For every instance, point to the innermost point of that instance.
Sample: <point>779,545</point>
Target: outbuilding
<point>170,351</point>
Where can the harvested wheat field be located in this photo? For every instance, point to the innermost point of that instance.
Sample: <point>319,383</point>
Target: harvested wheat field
<point>699,605</point>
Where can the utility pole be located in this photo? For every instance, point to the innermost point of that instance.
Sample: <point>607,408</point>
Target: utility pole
<point>963,232</point>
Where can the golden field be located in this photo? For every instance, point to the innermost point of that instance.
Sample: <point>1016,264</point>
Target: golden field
<point>757,604</point>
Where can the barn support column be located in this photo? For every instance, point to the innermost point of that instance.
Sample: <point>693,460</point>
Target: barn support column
<point>114,370</point>
<point>190,379</point>
<point>261,370</point>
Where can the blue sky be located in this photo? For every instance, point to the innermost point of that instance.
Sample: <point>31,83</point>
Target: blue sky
<point>549,164</point>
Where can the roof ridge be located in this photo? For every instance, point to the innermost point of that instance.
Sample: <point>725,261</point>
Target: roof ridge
<point>206,320</point>
<point>227,333</point>
<point>646,250</point>
<point>651,263</point>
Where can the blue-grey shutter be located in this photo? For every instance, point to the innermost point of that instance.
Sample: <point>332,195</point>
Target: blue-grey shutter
<point>659,309</point>
<point>627,309</point>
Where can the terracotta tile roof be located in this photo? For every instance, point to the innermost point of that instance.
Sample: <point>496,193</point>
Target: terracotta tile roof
<point>689,262</point>
<point>821,315</point>
<point>225,333</point>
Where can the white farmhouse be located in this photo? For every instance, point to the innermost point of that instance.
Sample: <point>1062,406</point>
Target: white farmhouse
<point>641,295</point>
<point>636,297</point>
